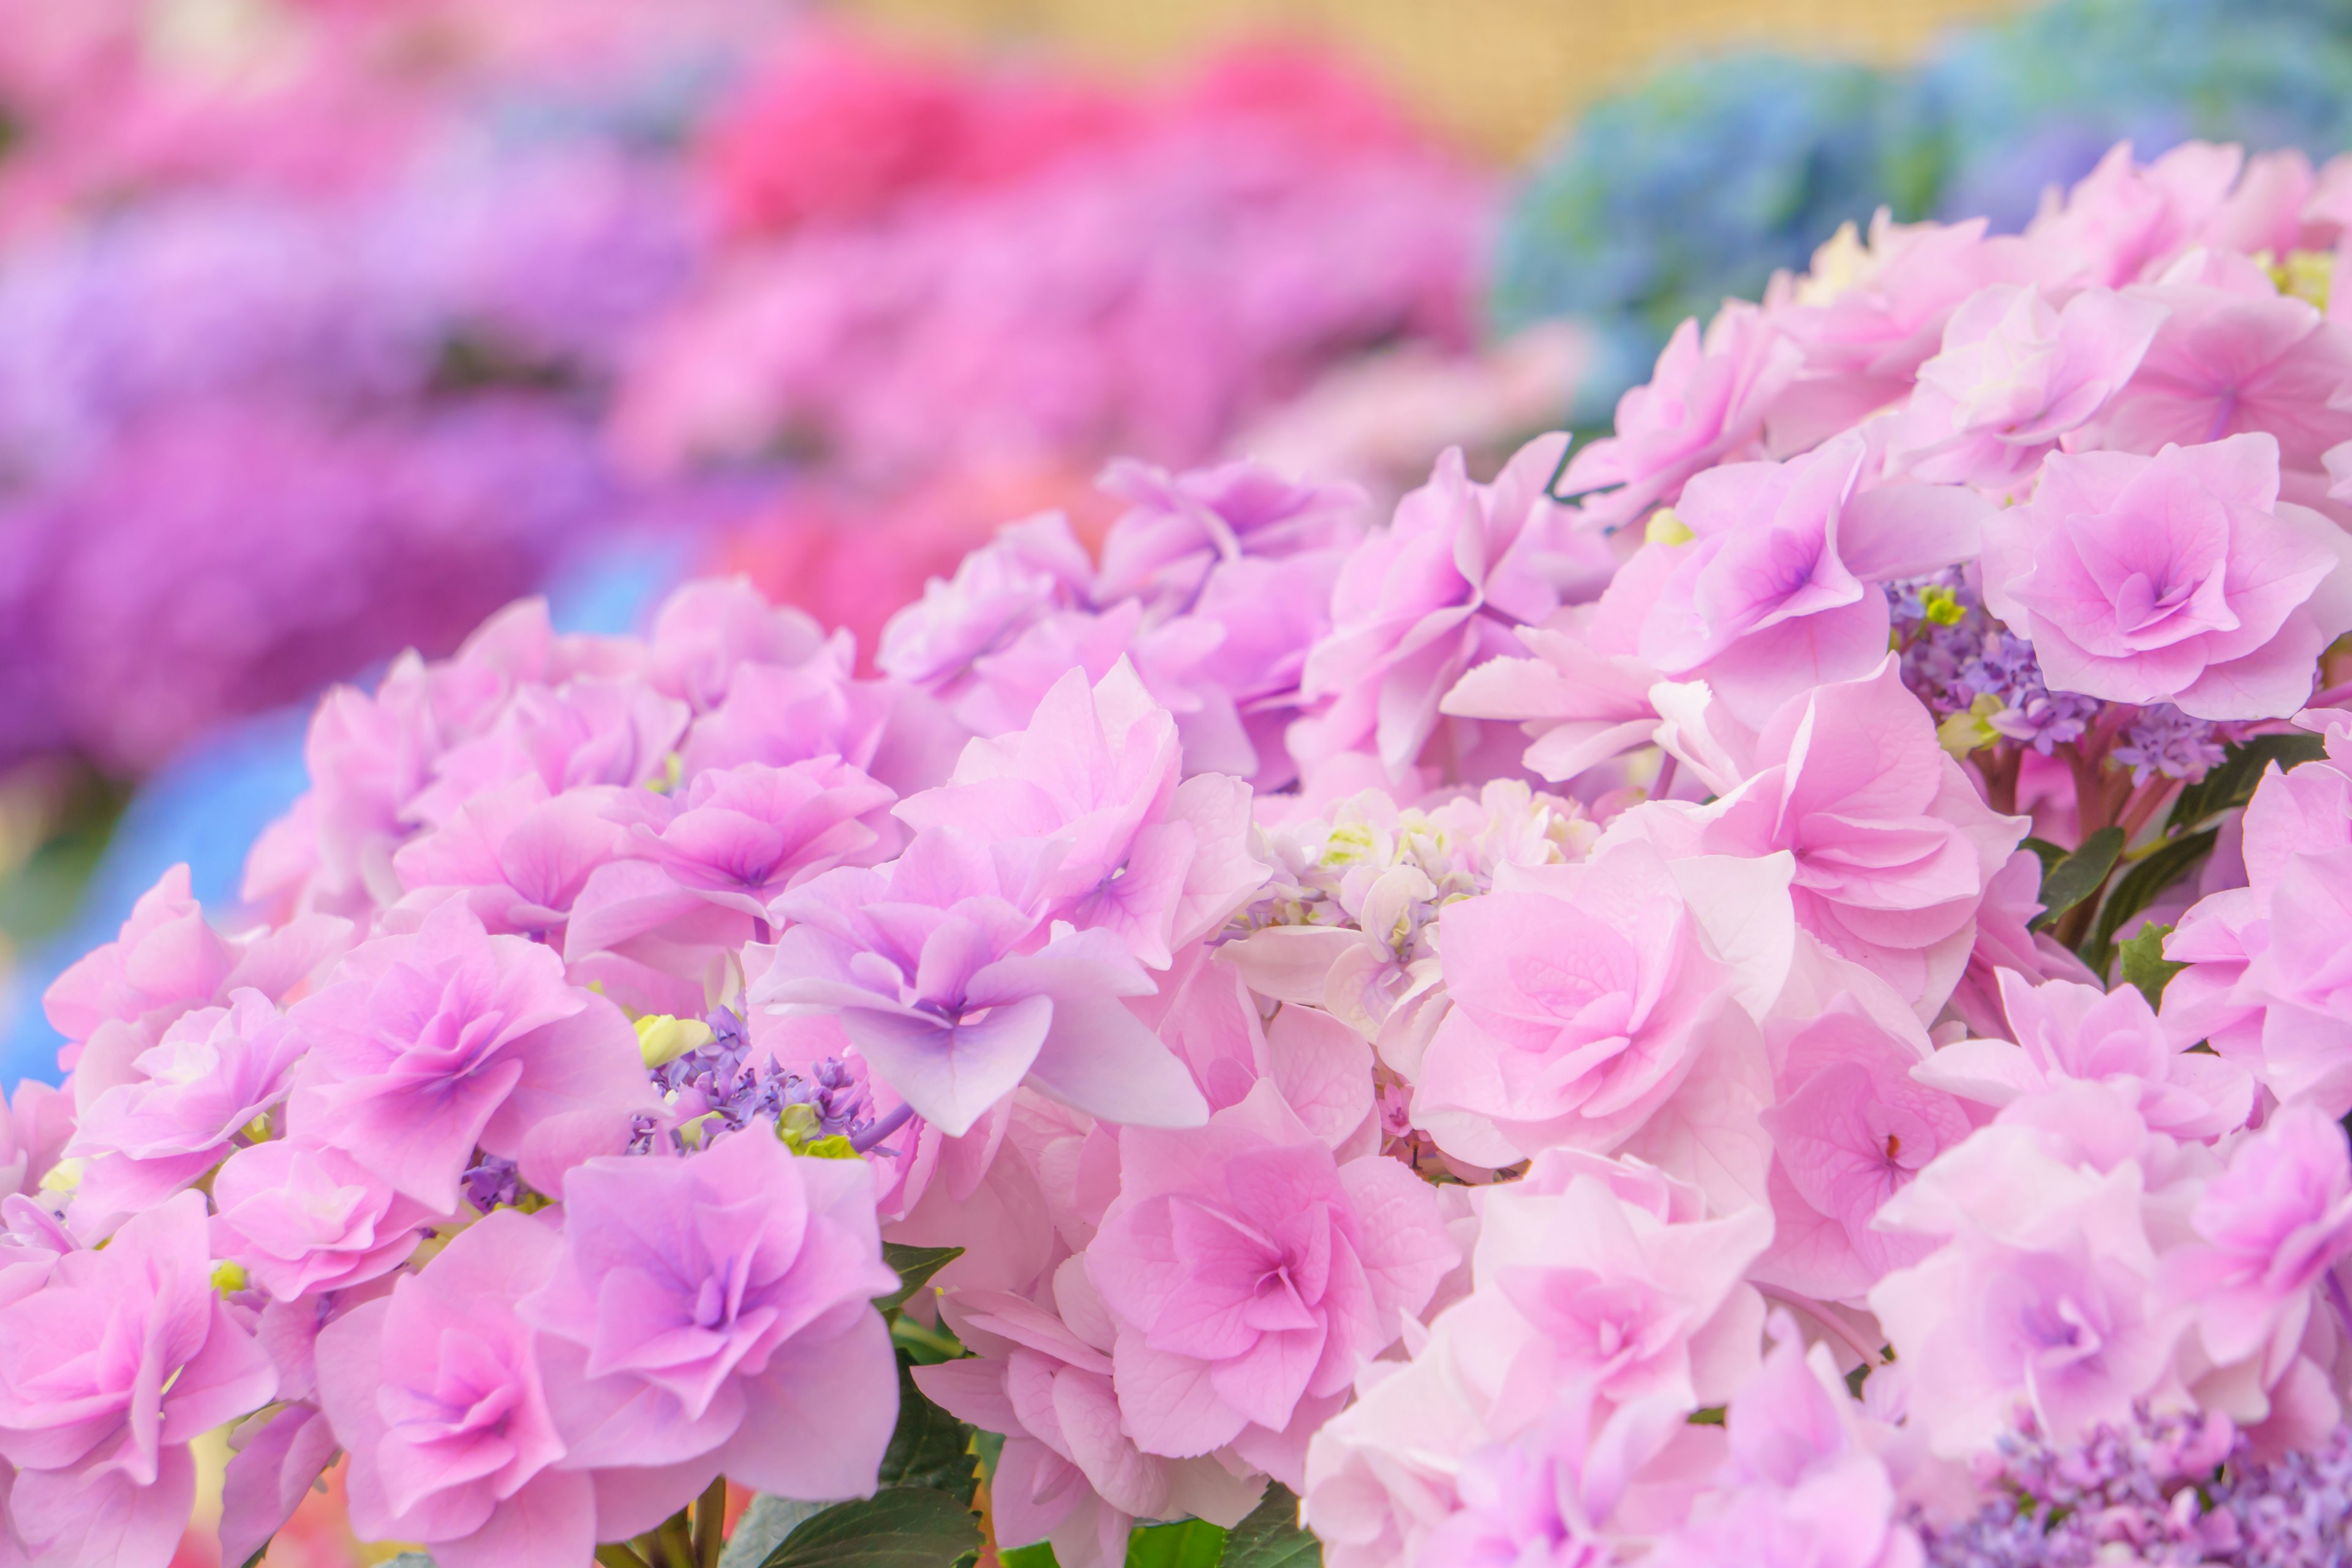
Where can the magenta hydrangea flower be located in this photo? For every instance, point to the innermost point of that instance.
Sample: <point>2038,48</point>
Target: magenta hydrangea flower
<point>426,1045</point>
<point>108,1371</point>
<point>714,1315</point>
<point>2179,578</point>
<point>1251,1275</point>
<point>437,1393</point>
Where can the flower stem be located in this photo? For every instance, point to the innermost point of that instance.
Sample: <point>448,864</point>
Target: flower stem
<point>710,1523</point>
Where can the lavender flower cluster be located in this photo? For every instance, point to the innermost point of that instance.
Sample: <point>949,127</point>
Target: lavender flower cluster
<point>2181,1489</point>
<point>1966,666</point>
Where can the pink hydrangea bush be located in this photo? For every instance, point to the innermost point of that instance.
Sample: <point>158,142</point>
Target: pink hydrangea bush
<point>1472,1033</point>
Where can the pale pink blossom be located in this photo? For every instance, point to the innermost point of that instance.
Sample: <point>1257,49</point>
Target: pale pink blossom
<point>1251,1275</point>
<point>2179,578</point>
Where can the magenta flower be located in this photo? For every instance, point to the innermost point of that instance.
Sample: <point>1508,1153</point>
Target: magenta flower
<point>106,1375</point>
<point>303,1217</point>
<point>1579,1009</point>
<point>1778,591</point>
<point>437,1395</point>
<point>426,1045</point>
<point>1707,401</point>
<point>714,1315</point>
<point>1070,1473</point>
<point>933,965</point>
<point>2268,1229</point>
<point>2067,1031</point>
<point>1893,847</point>
<point>587,730</point>
<point>705,630</point>
<point>706,865</point>
<point>517,856</point>
<point>2179,578</point>
<point>1179,528</point>
<point>2234,356</point>
<point>1851,1131</point>
<point>215,1071</point>
<point>2014,375</point>
<point>1250,1274</point>
<point>1424,599</point>
<point>1094,777</point>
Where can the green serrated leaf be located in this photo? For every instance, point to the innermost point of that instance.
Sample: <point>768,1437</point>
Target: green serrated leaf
<point>916,1265</point>
<point>929,1447</point>
<point>1272,1537</point>
<point>2079,875</point>
<point>2139,888</point>
<point>2232,781</point>
<point>2143,963</point>
<point>904,1527</point>
<point>1192,1544</point>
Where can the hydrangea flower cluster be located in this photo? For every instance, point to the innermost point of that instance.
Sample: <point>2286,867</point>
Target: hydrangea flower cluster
<point>1472,1032</point>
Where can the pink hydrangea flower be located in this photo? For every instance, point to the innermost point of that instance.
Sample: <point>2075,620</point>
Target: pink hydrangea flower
<point>1419,603</point>
<point>2268,1229</point>
<point>1094,774</point>
<point>2070,1031</point>
<point>215,1070</point>
<point>933,967</point>
<point>1249,1275</point>
<point>1707,401</point>
<point>2014,375</point>
<point>518,856</point>
<point>2234,356</point>
<point>1799,1489</point>
<point>1892,845</point>
<point>713,1315</point>
<point>107,1373</point>
<point>436,1393</point>
<point>1583,998</point>
<point>1070,1473</point>
<point>1778,592</point>
<point>2179,578</point>
<point>426,1045</point>
<point>301,1217</point>
<point>1851,1130</point>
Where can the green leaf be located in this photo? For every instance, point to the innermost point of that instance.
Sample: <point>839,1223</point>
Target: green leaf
<point>2049,854</point>
<point>2079,875</point>
<point>916,1265</point>
<point>929,1447</point>
<point>904,1527</point>
<point>1194,1543</point>
<point>2139,888</point>
<point>1039,1555</point>
<point>924,1345</point>
<point>2232,781</point>
<point>2145,965</point>
<point>1272,1537</point>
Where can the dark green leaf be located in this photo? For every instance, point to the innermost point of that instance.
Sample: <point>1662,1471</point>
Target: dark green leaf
<point>929,1447</point>
<point>916,1265</point>
<point>1040,1555</point>
<point>904,1527</point>
<point>1709,1415</point>
<point>2145,965</point>
<point>922,1344</point>
<point>2232,781</point>
<point>1194,1544</point>
<point>2049,854</point>
<point>2139,888</point>
<point>2081,873</point>
<point>1272,1537</point>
